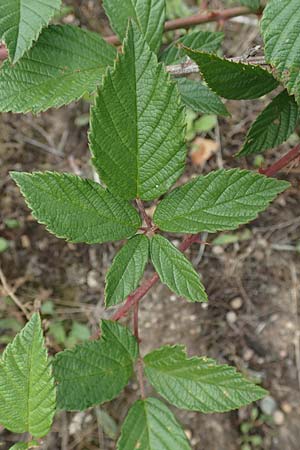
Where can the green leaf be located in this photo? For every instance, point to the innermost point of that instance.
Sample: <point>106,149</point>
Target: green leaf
<point>21,22</point>
<point>280,29</point>
<point>200,98</point>
<point>97,371</point>
<point>149,15</point>
<point>137,126</point>
<point>175,270</point>
<point>273,126</point>
<point>252,4</point>
<point>63,65</point>
<point>205,41</point>
<point>127,270</point>
<point>233,80</point>
<point>150,425</point>
<point>198,384</point>
<point>76,209</point>
<point>27,391</point>
<point>4,244</point>
<point>206,123</point>
<point>107,423</point>
<point>25,445</point>
<point>221,200</point>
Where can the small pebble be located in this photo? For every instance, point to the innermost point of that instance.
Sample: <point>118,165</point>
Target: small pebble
<point>268,405</point>
<point>93,279</point>
<point>236,303</point>
<point>217,250</point>
<point>25,242</point>
<point>188,434</point>
<point>283,354</point>
<point>248,354</point>
<point>259,255</point>
<point>231,317</point>
<point>278,417</point>
<point>286,407</point>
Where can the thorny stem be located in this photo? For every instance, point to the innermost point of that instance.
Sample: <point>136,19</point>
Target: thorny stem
<point>292,155</point>
<point>187,22</point>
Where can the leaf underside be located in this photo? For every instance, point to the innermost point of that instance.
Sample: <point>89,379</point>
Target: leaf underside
<point>77,209</point>
<point>273,126</point>
<point>200,98</point>
<point>137,125</point>
<point>64,64</point>
<point>150,425</point>
<point>126,270</point>
<point>233,80</point>
<point>198,384</point>
<point>175,270</point>
<point>27,391</point>
<point>280,29</point>
<point>221,200</point>
<point>96,371</point>
<point>149,15</point>
<point>21,22</point>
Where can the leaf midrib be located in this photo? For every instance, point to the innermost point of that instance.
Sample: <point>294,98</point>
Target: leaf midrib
<point>93,208</point>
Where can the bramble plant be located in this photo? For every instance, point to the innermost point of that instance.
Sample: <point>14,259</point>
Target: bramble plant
<point>137,143</point>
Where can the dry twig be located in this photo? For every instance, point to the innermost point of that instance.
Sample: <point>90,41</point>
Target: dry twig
<point>9,291</point>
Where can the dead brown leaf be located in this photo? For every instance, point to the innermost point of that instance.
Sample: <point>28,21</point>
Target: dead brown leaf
<point>203,150</point>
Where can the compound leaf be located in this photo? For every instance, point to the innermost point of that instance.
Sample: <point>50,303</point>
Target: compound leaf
<point>233,80</point>
<point>221,200</point>
<point>65,63</point>
<point>127,269</point>
<point>205,41</point>
<point>27,390</point>
<point>137,125</point>
<point>21,22</point>
<point>273,126</point>
<point>150,425</point>
<point>200,98</point>
<point>97,371</point>
<point>77,209</point>
<point>280,29</point>
<point>149,15</point>
<point>198,384</point>
<point>175,270</point>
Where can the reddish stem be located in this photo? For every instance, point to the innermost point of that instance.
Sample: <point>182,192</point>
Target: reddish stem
<point>147,285</point>
<point>293,154</point>
<point>143,213</point>
<point>187,22</point>
<point>3,52</point>
<point>136,322</point>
